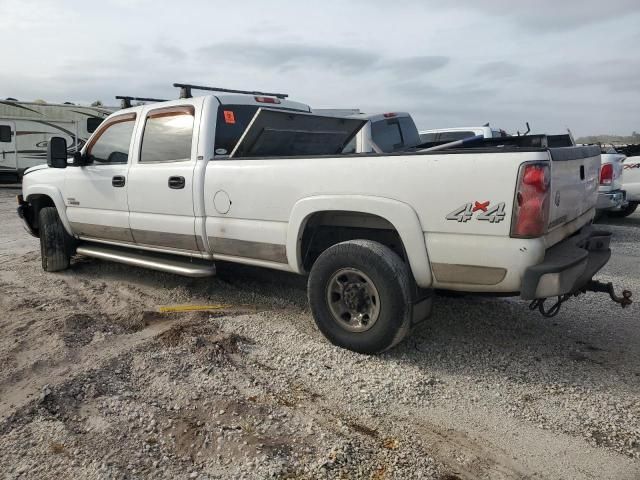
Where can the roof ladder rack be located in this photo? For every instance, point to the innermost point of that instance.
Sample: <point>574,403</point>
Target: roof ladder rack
<point>185,91</point>
<point>125,101</point>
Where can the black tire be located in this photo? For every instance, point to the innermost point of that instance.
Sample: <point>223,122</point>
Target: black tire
<point>56,245</point>
<point>625,212</point>
<point>391,279</point>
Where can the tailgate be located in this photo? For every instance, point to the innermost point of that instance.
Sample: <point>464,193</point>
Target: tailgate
<point>574,183</point>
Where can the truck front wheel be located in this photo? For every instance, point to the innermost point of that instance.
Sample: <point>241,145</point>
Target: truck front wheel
<point>360,296</point>
<point>56,245</point>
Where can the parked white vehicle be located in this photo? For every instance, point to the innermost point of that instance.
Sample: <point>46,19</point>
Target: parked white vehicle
<point>442,135</point>
<point>255,179</point>
<point>384,133</point>
<point>631,181</point>
<point>611,196</point>
<point>25,128</point>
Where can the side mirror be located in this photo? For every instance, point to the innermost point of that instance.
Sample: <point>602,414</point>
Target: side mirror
<point>57,152</point>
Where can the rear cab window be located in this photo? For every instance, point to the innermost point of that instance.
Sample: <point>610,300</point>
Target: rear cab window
<point>428,137</point>
<point>387,134</point>
<point>395,134</point>
<point>453,136</point>
<point>231,124</point>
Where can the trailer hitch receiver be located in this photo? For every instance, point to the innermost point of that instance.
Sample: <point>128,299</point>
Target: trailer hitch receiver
<point>590,286</point>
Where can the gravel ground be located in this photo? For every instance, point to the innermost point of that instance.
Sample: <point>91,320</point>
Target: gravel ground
<point>96,384</point>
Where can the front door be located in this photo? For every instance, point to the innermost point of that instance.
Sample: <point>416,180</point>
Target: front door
<point>8,158</point>
<point>161,180</point>
<point>96,194</point>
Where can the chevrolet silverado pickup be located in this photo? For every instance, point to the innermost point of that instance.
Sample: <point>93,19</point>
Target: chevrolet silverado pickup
<point>257,179</point>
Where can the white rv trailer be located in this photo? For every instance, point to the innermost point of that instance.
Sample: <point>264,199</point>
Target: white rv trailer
<point>25,129</point>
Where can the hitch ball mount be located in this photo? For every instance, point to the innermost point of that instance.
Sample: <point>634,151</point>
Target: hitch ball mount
<point>591,286</point>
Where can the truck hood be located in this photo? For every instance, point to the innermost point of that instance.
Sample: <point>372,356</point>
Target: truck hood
<point>280,133</point>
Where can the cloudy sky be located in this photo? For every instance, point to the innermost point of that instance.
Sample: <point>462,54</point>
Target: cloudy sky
<point>554,63</point>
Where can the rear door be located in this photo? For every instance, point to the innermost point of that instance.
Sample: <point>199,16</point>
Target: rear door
<point>8,158</point>
<point>96,194</point>
<point>161,179</point>
<point>574,183</point>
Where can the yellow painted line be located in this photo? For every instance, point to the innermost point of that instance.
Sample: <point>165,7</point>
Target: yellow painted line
<point>191,308</point>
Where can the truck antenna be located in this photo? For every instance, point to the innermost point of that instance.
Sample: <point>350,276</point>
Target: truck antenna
<point>185,91</point>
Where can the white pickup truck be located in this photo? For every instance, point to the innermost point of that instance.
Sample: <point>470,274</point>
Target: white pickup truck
<point>611,197</point>
<point>442,135</point>
<point>630,181</point>
<point>384,132</point>
<point>255,179</point>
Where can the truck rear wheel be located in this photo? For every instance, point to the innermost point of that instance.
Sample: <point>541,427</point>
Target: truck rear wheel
<point>360,296</point>
<point>625,212</point>
<point>56,245</point>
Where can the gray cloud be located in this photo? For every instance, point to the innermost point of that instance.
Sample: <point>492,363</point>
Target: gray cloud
<point>610,75</point>
<point>546,15</point>
<point>450,63</point>
<point>498,70</point>
<point>170,52</point>
<point>287,56</point>
<point>417,65</point>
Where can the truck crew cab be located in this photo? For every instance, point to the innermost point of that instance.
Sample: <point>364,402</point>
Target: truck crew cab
<point>254,178</point>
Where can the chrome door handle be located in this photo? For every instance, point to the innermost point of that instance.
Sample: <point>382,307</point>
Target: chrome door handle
<point>176,183</point>
<point>118,181</point>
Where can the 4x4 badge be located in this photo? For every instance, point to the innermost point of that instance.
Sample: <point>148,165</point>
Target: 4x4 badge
<point>494,214</point>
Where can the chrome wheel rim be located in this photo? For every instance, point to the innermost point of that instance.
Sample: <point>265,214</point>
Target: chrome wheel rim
<point>353,300</point>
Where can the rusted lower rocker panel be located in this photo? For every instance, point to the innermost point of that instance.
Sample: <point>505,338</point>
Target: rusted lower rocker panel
<point>164,239</point>
<point>101,231</point>
<point>247,249</point>
<point>469,274</point>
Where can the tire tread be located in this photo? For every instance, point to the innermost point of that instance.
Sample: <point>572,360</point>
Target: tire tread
<point>55,242</point>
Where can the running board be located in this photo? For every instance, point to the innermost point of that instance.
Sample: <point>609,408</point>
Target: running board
<point>189,267</point>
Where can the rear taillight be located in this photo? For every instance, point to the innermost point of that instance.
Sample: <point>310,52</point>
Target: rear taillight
<point>531,204</point>
<point>606,174</point>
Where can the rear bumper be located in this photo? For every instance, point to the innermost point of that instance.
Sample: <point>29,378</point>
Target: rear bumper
<point>613,200</point>
<point>24,214</point>
<point>567,266</point>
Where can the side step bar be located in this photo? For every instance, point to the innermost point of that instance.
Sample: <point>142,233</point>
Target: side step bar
<point>165,263</point>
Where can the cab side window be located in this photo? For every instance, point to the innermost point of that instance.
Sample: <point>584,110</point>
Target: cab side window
<point>112,143</point>
<point>167,135</point>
